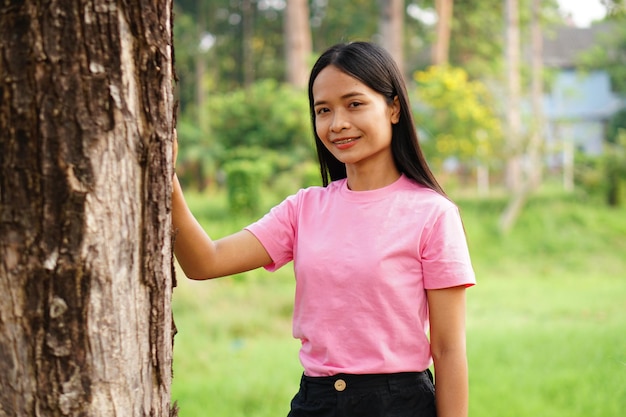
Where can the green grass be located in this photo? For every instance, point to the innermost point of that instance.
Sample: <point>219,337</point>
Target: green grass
<point>546,325</point>
<point>547,347</point>
<point>234,355</point>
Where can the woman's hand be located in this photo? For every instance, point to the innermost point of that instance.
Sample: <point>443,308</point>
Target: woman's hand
<point>199,256</point>
<point>174,149</point>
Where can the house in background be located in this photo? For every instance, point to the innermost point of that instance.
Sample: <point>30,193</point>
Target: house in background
<point>579,104</point>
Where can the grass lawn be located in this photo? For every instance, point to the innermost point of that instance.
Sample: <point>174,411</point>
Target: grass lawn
<point>546,325</point>
<point>547,347</point>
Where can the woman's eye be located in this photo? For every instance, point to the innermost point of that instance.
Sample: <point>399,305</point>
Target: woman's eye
<point>322,110</point>
<point>355,104</point>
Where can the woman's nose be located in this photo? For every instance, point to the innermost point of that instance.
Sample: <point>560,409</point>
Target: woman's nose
<point>340,122</point>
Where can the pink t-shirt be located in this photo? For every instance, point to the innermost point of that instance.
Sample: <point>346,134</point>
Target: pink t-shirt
<point>362,263</point>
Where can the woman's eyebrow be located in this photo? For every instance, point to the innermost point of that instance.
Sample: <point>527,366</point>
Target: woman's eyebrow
<point>343,97</point>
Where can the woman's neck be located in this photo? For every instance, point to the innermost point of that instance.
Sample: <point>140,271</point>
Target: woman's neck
<point>365,180</point>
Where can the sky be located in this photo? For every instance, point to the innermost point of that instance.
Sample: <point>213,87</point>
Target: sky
<point>583,11</point>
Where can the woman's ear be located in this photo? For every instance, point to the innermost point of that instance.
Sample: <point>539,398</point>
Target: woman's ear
<point>395,110</point>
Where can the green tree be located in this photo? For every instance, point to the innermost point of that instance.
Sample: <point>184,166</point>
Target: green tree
<point>459,115</point>
<point>268,114</point>
<point>609,53</point>
<point>263,121</point>
<point>197,155</point>
<point>261,47</point>
<point>615,8</point>
<point>474,46</point>
<point>186,46</point>
<point>342,21</point>
<point>615,158</point>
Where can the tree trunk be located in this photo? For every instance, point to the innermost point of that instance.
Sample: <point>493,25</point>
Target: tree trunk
<point>441,50</point>
<point>513,115</point>
<point>523,185</point>
<point>535,170</point>
<point>392,29</point>
<point>86,114</point>
<point>200,70</point>
<point>247,38</point>
<point>568,160</point>
<point>514,180</point>
<point>482,180</point>
<point>298,43</point>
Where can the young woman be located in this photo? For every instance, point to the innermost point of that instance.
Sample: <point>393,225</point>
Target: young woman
<point>379,253</point>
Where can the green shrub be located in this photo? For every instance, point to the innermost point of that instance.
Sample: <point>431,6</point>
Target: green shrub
<point>604,176</point>
<point>267,115</point>
<point>615,158</point>
<point>309,174</point>
<point>458,115</point>
<point>266,122</point>
<point>589,175</point>
<point>244,179</point>
<point>197,155</point>
<point>615,167</point>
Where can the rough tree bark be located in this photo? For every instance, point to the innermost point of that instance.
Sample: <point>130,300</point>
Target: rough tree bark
<point>86,122</point>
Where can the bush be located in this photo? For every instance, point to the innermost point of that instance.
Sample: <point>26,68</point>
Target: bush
<point>196,154</point>
<point>266,115</point>
<point>615,167</point>
<point>589,175</point>
<point>459,116</point>
<point>604,175</point>
<point>244,179</point>
<point>616,158</point>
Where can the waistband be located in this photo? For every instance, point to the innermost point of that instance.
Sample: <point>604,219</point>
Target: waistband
<point>321,385</point>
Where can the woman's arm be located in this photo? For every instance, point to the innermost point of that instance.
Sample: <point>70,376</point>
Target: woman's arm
<point>447,339</point>
<point>202,258</point>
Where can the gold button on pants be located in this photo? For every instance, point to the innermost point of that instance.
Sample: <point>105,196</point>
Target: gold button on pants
<point>340,385</point>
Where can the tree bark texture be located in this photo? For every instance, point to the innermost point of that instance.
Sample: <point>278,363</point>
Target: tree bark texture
<point>86,122</point>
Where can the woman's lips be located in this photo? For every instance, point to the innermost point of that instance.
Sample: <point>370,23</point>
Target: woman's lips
<point>343,143</point>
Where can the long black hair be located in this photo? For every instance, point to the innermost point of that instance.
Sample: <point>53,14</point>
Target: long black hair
<point>374,67</point>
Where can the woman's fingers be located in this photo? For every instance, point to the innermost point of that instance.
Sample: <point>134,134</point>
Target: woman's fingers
<point>174,147</point>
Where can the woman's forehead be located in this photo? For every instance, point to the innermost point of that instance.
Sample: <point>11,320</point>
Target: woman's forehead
<point>332,82</point>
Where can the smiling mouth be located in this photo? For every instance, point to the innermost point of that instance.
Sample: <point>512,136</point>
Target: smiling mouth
<point>344,141</point>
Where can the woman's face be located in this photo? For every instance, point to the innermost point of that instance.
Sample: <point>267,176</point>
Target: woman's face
<point>353,121</point>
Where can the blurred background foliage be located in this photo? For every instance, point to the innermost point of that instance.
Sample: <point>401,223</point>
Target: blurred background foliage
<point>236,102</point>
<point>547,318</point>
<point>461,115</point>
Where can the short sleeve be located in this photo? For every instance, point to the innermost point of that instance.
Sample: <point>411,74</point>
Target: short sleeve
<point>445,254</point>
<point>277,232</point>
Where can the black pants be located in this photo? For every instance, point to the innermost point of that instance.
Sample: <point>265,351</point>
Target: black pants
<point>409,394</point>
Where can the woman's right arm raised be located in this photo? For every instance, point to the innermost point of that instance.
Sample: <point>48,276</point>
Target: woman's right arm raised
<point>202,258</point>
